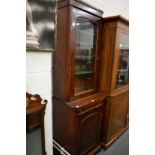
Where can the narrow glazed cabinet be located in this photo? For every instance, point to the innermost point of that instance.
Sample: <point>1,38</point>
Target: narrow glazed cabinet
<point>114,78</point>
<point>77,102</point>
<point>76,60</point>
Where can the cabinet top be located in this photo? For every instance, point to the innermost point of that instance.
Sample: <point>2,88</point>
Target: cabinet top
<point>81,5</point>
<point>116,19</point>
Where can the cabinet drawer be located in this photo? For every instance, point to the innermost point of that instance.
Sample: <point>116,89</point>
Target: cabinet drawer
<point>88,109</point>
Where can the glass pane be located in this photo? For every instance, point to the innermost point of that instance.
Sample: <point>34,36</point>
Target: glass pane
<point>85,55</point>
<point>123,64</point>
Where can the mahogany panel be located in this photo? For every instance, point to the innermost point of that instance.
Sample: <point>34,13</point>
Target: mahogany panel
<point>115,117</point>
<point>89,132</point>
<point>107,58</point>
<point>64,125</point>
<point>60,59</point>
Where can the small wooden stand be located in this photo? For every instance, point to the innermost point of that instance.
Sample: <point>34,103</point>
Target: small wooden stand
<point>35,111</point>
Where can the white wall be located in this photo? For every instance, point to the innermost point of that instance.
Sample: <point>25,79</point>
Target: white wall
<point>112,7</point>
<point>38,71</point>
<point>38,81</point>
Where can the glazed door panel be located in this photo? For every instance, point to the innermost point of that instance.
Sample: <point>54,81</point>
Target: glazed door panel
<point>85,38</point>
<point>122,77</point>
<point>84,55</point>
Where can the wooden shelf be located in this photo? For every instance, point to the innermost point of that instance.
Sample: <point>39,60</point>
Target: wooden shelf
<point>84,32</point>
<point>84,44</point>
<point>82,72</point>
<point>83,57</point>
<point>34,49</point>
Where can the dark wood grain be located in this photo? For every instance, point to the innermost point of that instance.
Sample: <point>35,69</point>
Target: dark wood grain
<point>116,110</point>
<point>81,129</point>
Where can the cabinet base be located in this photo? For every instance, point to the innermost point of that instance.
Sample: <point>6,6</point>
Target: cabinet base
<point>91,152</point>
<point>107,145</point>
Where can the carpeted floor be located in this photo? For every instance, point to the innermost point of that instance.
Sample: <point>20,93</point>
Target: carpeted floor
<point>120,147</point>
<point>33,143</point>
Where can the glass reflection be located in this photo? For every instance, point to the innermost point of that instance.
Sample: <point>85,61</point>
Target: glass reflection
<point>40,19</point>
<point>85,55</point>
<point>123,64</point>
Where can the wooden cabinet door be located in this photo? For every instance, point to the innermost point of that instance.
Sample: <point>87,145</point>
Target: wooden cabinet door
<point>118,114</point>
<point>84,47</point>
<point>115,118</point>
<point>120,77</point>
<point>89,129</point>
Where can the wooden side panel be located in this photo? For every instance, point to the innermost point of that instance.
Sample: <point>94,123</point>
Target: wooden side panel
<point>116,115</point>
<point>64,126</point>
<point>107,56</point>
<point>60,56</point>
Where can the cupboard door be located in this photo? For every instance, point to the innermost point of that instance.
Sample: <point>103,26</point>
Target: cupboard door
<point>118,114</point>
<point>89,130</point>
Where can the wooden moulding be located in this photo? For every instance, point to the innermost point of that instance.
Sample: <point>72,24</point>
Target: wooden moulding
<point>80,4</point>
<point>34,102</point>
<point>87,102</point>
<point>116,22</point>
<point>116,19</point>
<point>28,49</point>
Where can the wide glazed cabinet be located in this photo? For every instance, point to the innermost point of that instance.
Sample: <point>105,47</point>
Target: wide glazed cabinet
<point>114,78</point>
<point>77,102</point>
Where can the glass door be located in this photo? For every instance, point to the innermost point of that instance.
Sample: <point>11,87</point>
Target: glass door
<point>122,78</point>
<point>84,56</point>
